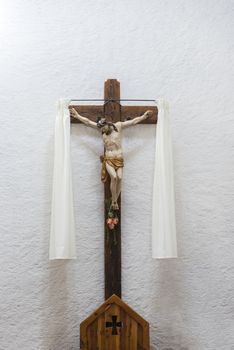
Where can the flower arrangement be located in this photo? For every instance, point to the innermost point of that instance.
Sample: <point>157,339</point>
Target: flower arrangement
<point>112,220</point>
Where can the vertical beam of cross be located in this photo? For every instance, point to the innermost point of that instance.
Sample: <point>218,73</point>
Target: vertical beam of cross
<point>112,243</point>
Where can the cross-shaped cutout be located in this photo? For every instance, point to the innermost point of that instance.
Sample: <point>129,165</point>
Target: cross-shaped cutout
<point>114,325</point>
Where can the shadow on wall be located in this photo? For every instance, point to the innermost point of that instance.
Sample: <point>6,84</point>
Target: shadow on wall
<point>58,309</point>
<point>59,329</point>
<point>170,331</point>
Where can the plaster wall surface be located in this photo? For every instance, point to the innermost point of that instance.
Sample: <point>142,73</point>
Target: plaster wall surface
<point>180,50</point>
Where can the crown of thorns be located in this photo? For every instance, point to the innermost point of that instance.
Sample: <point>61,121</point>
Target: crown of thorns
<point>102,122</point>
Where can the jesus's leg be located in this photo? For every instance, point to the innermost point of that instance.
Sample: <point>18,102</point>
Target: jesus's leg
<point>119,180</point>
<point>113,184</point>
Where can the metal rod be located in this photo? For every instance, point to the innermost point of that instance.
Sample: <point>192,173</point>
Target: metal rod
<point>112,100</point>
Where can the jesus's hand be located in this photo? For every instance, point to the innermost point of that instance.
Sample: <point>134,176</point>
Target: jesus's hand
<point>148,113</point>
<point>73,113</point>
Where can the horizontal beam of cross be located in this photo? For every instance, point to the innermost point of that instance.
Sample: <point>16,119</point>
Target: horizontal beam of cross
<point>94,111</point>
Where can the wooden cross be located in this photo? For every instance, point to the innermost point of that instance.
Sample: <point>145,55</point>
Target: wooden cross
<point>114,325</point>
<point>113,109</point>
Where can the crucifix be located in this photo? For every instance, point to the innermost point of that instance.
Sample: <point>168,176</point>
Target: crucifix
<point>110,119</point>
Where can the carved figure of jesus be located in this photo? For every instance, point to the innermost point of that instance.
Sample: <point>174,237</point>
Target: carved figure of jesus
<point>112,160</point>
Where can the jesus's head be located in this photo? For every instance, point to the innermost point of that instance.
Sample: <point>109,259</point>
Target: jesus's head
<point>106,127</point>
<point>101,122</point>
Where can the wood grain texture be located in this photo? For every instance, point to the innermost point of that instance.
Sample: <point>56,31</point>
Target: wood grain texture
<point>132,335</point>
<point>112,342</point>
<point>130,112</point>
<point>112,239</point>
<point>93,112</point>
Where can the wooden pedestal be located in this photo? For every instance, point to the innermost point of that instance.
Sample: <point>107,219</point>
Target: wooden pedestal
<point>114,326</point>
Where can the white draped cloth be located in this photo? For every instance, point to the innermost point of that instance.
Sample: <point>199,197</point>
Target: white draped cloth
<point>164,244</point>
<point>62,234</point>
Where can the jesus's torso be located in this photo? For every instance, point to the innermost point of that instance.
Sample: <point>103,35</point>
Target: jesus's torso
<point>112,142</point>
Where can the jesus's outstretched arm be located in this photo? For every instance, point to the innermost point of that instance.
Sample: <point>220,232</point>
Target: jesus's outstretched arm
<point>136,120</point>
<point>83,120</point>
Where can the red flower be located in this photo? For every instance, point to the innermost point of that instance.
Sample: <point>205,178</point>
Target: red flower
<point>115,221</point>
<point>109,221</point>
<point>111,226</point>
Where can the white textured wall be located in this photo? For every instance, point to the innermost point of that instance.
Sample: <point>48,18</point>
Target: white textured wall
<point>181,50</point>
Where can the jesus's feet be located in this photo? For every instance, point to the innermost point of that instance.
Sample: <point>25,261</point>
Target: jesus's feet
<point>114,205</point>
